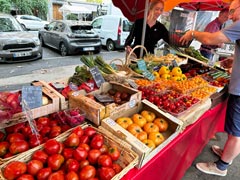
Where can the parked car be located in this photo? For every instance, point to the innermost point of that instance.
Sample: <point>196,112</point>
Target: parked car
<point>70,37</point>
<point>31,22</point>
<point>113,30</point>
<point>17,45</point>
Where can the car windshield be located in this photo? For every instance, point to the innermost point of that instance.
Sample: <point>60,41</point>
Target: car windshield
<point>9,25</point>
<point>86,29</point>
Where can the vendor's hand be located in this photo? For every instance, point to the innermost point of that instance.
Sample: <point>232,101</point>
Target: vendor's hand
<point>186,38</point>
<point>128,49</point>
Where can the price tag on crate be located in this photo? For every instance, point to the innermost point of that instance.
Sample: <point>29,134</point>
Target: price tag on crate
<point>32,95</point>
<point>97,76</point>
<point>142,65</point>
<point>148,75</point>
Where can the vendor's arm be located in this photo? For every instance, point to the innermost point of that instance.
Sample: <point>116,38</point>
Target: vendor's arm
<point>205,37</point>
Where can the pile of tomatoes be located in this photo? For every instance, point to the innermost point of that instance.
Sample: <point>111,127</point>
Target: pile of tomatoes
<point>82,155</point>
<point>20,138</point>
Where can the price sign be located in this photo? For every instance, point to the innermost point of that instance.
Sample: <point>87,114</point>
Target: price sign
<point>32,95</point>
<point>132,83</point>
<point>174,63</point>
<point>142,65</point>
<point>148,75</point>
<point>97,76</point>
<point>103,98</point>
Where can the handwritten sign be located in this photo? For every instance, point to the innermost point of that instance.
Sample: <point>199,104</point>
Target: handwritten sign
<point>148,75</point>
<point>32,95</point>
<point>97,76</point>
<point>142,65</point>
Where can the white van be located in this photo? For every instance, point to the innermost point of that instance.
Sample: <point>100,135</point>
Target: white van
<point>113,30</point>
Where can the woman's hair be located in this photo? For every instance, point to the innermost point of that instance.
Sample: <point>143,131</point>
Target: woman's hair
<point>153,3</point>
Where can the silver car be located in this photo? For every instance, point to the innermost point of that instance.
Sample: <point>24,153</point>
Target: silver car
<point>17,45</point>
<point>70,37</point>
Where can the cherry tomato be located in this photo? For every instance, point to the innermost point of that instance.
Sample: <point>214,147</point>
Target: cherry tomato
<point>114,153</point>
<point>14,169</point>
<point>78,130</point>
<point>18,147</point>
<point>117,168</point>
<point>72,165</point>
<point>55,161</point>
<point>58,175</point>
<point>105,160</point>
<point>93,156</point>
<point>97,141</point>
<point>52,146</point>
<point>33,166</point>
<point>80,154</point>
<point>40,155</point>
<point>106,173</point>
<point>89,131</point>
<point>44,173</point>
<point>26,177</point>
<point>87,172</point>
<point>71,176</point>
<point>67,153</point>
<point>72,140</point>
<point>4,146</point>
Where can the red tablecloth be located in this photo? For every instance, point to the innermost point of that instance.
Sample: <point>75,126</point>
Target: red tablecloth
<point>172,161</point>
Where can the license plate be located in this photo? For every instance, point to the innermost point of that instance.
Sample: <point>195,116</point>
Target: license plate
<point>22,54</point>
<point>88,49</point>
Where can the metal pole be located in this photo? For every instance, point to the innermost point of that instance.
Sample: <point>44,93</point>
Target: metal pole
<point>144,26</point>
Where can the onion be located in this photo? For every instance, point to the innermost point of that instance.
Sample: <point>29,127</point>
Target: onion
<point>44,100</point>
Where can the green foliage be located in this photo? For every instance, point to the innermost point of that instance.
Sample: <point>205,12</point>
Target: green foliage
<point>94,1</point>
<point>72,17</point>
<point>5,6</point>
<point>31,7</point>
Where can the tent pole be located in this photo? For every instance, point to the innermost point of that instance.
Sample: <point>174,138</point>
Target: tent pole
<point>144,26</point>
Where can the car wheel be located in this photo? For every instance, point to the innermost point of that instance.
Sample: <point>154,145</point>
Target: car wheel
<point>110,45</point>
<point>41,41</point>
<point>63,49</point>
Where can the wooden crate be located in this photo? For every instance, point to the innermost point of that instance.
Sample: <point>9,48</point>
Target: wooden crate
<point>62,101</point>
<point>51,107</point>
<point>127,160</point>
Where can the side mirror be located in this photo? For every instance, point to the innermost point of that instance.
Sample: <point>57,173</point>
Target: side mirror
<point>46,27</point>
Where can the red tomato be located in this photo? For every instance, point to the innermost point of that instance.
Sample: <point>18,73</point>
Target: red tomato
<point>58,175</point>
<point>4,146</point>
<point>40,155</point>
<point>14,169</point>
<point>33,166</point>
<point>44,173</point>
<point>84,139</point>
<point>104,149</point>
<point>114,153</point>
<point>15,137</point>
<point>117,168</point>
<point>72,165</point>
<point>84,146</point>
<point>67,153</point>
<point>52,146</point>
<point>26,131</point>
<point>105,160</point>
<point>53,123</point>
<point>83,163</point>
<point>65,127</point>
<point>18,147</point>
<point>55,161</point>
<point>55,131</point>
<point>18,127</point>
<point>93,156</point>
<point>97,141</point>
<point>71,176</point>
<point>2,136</point>
<point>80,154</point>
<point>78,130</point>
<point>45,121</point>
<point>45,131</point>
<point>35,140</point>
<point>106,173</point>
<point>87,172</point>
<point>26,177</point>
<point>89,131</point>
<point>72,140</point>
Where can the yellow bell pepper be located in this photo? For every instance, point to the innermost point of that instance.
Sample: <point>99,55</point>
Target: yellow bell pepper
<point>176,71</point>
<point>164,70</point>
<point>155,73</point>
<point>166,76</point>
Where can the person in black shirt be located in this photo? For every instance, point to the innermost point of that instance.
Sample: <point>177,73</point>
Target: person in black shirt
<point>154,30</point>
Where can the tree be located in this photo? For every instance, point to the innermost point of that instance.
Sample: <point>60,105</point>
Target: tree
<point>32,7</point>
<point>94,1</point>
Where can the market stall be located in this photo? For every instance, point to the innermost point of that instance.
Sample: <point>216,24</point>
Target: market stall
<point>151,111</point>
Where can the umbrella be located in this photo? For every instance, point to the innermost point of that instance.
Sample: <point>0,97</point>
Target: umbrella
<point>204,5</point>
<point>134,9</point>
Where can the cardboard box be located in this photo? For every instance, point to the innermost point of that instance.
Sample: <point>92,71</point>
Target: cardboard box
<point>144,152</point>
<point>95,111</point>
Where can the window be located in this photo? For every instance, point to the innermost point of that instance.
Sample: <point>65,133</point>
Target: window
<point>97,23</point>
<point>127,26</point>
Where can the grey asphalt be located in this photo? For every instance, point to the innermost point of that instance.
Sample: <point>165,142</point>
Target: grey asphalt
<point>51,75</point>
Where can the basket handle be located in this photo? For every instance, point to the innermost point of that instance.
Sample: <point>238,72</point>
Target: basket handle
<point>117,59</point>
<point>132,53</point>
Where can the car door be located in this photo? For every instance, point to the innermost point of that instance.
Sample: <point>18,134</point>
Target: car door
<point>47,34</point>
<point>57,34</point>
<point>126,28</point>
<point>97,28</point>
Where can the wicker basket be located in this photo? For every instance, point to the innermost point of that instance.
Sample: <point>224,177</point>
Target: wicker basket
<point>132,58</point>
<point>127,160</point>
